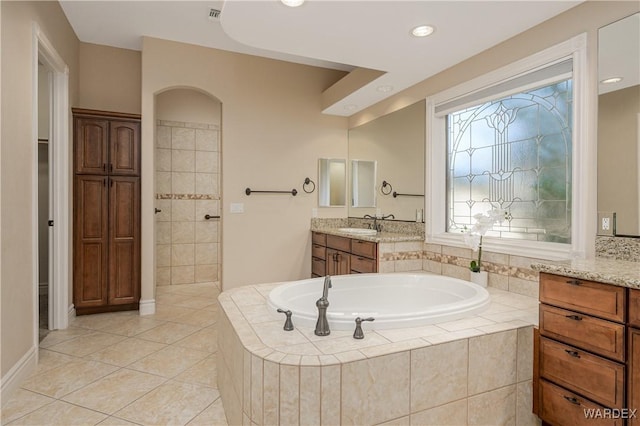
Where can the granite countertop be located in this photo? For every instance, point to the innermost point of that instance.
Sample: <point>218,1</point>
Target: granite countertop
<point>380,237</point>
<point>617,272</point>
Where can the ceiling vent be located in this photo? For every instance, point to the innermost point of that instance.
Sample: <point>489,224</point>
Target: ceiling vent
<point>214,14</point>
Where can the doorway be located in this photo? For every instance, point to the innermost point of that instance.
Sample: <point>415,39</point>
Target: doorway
<point>51,212</point>
<point>45,199</point>
<point>187,195</point>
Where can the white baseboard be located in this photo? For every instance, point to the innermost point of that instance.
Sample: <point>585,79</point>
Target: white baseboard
<point>71,314</point>
<point>147,307</point>
<point>19,372</point>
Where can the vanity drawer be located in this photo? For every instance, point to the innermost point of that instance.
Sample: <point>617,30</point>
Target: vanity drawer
<point>319,238</point>
<point>561,407</point>
<point>602,300</point>
<point>594,334</point>
<point>339,243</point>
<point>634,307</point>
<point>318,267</point>
<point>319,251</point>
<point>364,248</point>
<point>362,264</point>
<point>592,376</point>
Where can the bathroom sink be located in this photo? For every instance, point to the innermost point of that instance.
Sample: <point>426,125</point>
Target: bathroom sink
<point>358,231</point>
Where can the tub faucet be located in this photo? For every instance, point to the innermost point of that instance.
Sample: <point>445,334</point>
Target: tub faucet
<point>322,325</point>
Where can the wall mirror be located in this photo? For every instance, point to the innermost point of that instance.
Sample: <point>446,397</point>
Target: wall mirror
<point>619,123</point>
<point>363,181</point>
<point>396,142</point>
<point>332,182</point>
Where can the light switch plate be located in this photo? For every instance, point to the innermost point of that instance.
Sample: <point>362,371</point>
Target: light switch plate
<point>607,223</point>
<point>236,208</point>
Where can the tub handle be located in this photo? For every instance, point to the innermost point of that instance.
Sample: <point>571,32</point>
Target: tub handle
<point>288,324</point>
<point>358,333</point>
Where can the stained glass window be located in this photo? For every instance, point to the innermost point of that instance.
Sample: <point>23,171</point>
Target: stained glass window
<point>513,154</point>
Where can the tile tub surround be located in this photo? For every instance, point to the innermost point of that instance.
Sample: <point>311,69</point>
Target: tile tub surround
<point>471,371</point>
<point>187,188</point>
<point>610,271</point>
<point>620,248</point>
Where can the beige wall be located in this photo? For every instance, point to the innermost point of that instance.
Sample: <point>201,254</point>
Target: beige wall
<point>618,140</point>
<point>273,133</point>
<point>110,78</point>
<point>189,106</point>
<point>17,162</point>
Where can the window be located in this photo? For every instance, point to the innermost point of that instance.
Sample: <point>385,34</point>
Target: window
<point>521,139</point>
<point>513,153</point>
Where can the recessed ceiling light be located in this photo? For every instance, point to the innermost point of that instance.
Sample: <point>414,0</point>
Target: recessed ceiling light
<point>292,3</point>
<point>384,89</point>
<point>351,107</point>
<point>611,80</point>
<point>422,31</point>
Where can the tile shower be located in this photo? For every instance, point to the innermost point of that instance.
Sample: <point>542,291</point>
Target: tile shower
<point>187,189</point>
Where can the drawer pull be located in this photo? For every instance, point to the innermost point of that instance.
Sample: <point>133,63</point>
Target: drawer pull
<point>572,399</point>
<point>575,317</point>
<point>574,282</point>
<point>360,258</point>
<point>574,354</point>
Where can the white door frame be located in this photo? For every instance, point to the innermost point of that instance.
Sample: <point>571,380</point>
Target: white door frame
<point>60,252</point>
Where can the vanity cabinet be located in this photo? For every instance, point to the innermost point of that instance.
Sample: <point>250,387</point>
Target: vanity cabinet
<point>337,255</point>
<point>581,358</point>
<point>633,378</point>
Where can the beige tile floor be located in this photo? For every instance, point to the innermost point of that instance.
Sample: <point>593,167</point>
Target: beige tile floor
<point>124,369</point>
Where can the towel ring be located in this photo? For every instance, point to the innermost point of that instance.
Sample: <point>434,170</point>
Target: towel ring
<point>384,185</point>
<point>308,181</point>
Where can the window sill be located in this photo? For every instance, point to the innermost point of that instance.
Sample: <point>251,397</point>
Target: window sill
<point>532,249</point>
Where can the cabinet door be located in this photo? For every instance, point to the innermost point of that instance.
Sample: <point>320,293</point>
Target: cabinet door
<point>124,240</point>
<point>633,384</point>
<point>91,138</point>
<point>90,241</point>
<point>338,262</point>
<point>124,148</point>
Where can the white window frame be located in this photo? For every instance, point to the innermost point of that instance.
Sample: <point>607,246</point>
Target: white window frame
<point>584,162</point>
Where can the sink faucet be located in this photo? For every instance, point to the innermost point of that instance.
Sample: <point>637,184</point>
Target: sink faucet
<point>375,222</point>
<point>322,325</point>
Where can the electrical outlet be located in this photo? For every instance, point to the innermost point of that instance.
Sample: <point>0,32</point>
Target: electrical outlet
<point>606,223</point>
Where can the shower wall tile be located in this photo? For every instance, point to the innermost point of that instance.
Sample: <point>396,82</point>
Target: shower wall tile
<point>182,138</point>
<point>164,215</point>
<point>182,274</point>
<point>163,275</point>
<point>206,232</point>
<point>206,273</point>
<point>163,232</point>
<point>205,183</point>
<point>183,210</point>
<point>187,189</point>
<point>163,255</point>
<point>163,160</point>
<point>182,232</point>
<point>206,140</point>
<point>163,137</point>
<point>182,254</point>
<point>206,162</point>
<point>163,182</point>
<point>183,160</point>
<point>183,183</point>
<point>206,254</point>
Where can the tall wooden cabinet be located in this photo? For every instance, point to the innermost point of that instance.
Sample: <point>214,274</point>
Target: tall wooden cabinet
<point>106,220</point>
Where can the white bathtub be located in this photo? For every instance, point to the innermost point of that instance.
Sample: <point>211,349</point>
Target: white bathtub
<point>394,300</point>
